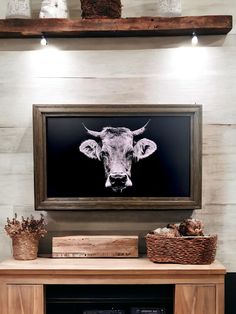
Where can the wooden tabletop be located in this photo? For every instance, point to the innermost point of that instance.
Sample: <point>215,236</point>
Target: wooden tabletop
<point>105,266</point>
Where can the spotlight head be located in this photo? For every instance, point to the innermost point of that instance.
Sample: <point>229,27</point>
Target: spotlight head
<point>43,41</point>
<point>194,39</point>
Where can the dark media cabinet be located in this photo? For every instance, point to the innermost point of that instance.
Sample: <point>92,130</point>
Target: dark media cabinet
<point>109,299</point>
<point>110,286</point>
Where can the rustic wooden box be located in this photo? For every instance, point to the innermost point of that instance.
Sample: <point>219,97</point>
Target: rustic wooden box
<point>95,246</point>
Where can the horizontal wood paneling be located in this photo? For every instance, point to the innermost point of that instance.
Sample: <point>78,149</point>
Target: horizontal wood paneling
<point>120,90</point>
<point>120,44</point>
<point>130,63</point>
<point>16,140</point>
<point>16,163</point>
<point>134,70</point>
<point>140,76</point>
<point>219,139</point>
<point>220,220</point>
<point>16,189</point>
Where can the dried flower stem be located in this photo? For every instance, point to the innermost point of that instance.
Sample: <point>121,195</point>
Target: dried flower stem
<point>26,226</point>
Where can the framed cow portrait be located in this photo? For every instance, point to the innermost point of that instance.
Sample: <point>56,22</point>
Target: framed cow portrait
<point>117,157</point>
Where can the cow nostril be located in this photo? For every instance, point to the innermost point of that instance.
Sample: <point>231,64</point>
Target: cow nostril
<point>123,179</point>
<point>118,179</point>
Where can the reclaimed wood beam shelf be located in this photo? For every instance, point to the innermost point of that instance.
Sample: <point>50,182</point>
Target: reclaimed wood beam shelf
<point>134,26</point>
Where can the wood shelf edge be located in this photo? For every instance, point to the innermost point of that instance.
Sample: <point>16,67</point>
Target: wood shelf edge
<point>134,26</point>
<point>126,266</point>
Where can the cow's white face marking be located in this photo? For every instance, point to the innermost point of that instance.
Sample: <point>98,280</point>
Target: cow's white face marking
<point>117,151</point>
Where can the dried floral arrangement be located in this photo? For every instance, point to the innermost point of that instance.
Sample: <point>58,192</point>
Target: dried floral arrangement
<point>188,227</point>
<point>26,226</point>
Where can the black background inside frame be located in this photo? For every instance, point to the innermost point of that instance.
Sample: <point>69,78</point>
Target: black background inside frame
<point>166,173</point>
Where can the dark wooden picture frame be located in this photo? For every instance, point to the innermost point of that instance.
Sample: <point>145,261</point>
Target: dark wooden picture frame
<point>170,178</point>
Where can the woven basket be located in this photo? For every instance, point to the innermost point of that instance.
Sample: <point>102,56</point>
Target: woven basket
<point>25,247</point>
<point>181,250</point>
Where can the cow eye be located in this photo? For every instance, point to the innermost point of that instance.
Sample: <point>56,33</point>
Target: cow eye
<point>104,154</point>
<point>129,154</point>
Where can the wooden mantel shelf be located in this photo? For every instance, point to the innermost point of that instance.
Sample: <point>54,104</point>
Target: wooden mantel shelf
<point>91,266</point>
<point>135,26</point>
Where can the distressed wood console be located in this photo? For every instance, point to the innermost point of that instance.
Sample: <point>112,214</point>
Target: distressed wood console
<point>199,289</point>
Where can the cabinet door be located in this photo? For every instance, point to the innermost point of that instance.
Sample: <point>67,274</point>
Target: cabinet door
<point>195,299</point>
<point>25,299</point>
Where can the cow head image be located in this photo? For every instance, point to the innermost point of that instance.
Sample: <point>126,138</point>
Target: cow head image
<point>116,148</point>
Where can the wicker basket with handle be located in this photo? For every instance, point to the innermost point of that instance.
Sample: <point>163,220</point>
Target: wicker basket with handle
<point>181,250</point>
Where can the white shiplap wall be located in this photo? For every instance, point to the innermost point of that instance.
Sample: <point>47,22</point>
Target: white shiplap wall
<point>117,71</point>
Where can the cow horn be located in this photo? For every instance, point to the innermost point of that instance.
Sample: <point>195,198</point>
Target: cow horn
<point>141,130</point>
<point>93,133</point>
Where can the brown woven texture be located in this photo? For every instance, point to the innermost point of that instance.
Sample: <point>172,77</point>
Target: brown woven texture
<point>101,8</point>
<point>181,250</point>
<point>25,247</point>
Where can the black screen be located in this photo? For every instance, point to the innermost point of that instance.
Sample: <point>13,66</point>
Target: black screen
<point>165,173</point>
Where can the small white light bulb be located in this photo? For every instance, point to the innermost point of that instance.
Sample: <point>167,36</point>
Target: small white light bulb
<point>194,39</point>
<point>43,41</point>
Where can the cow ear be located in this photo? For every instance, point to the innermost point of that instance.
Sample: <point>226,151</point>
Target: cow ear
<point>144,148</point>
<point>91,149</point>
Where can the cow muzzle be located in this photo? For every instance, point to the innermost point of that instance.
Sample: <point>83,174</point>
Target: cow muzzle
<point>118,181</point>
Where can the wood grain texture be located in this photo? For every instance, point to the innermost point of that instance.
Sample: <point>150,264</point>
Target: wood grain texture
<point>220,297</point>
<point>195,285</point>
<point>108,271</point>
<point>109,266</point>
<point>16,189</point>
<point>194,299</point>
<point>15,140</point>
<point>21,163</point>
<point>25,299</point>
<point>137,8</point>
<point>111,279</point>
<point>86,76</point>
<point>171,26</point>
<point>123,70</point>
<point>3,297</point>
<point>95,246</point>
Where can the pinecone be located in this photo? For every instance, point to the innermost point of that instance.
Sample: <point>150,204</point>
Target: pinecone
<point>191,227</point>
<point>175,229</point>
